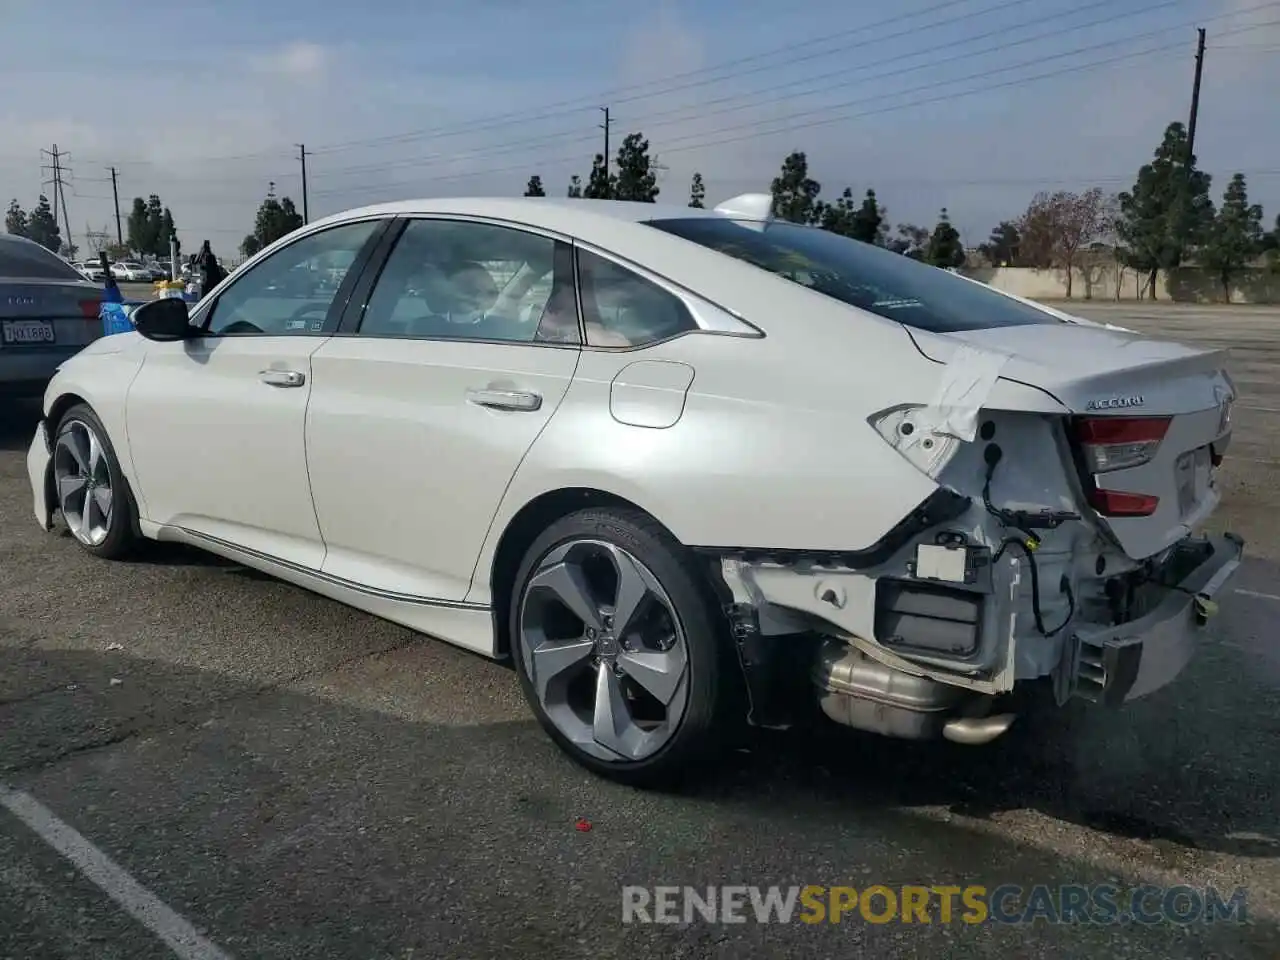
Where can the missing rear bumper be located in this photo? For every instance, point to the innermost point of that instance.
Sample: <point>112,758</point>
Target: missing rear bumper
<point>1115,664</point>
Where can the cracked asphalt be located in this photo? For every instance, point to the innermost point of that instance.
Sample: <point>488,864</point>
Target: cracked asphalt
<point>297,779</point>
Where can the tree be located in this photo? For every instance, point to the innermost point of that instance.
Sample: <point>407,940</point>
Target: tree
<point>42,226</point>
<point>1168,211</point>
<point>138,227</point>
<point>575,187</point>
<point>869,220</point>
<point>159,245</point>
<point>697,192</point>
<point>534,187</point>
<point>1057,227</point>
<point>1236,235</point>
<point>911,241</point>
<point>795,193</point>
<point>167,230</point>
<point>15,219</point>
<point>599,183</point>
<point>636,179</point>
<point>249,246</point>
<point>1002,246</point>
<point>275,218</point>
<point>944,248</point>
<point>836,217</point>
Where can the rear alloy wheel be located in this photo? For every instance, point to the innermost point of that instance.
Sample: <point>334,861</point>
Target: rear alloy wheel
<point>93,495</point>
<point>618,647</point>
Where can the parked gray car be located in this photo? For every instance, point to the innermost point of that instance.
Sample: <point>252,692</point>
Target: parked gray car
<point>48,312</point>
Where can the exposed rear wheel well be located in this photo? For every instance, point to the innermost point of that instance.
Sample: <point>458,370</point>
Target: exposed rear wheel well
<point>524,528</point>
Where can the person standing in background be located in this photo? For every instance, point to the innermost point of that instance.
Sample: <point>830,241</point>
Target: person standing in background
<point>211,272</point>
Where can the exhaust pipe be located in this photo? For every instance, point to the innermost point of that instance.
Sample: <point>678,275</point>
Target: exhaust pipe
<point>975,731</point>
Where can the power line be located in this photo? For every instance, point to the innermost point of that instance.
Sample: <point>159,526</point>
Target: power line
<point>825,119</point>
<point>702,112</point>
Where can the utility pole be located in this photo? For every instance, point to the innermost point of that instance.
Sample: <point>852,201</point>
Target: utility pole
<point>115,195</point>
<point>59,189</point>
<point>608,122</point>
<point>1195,99</point>
<point>302,158</point>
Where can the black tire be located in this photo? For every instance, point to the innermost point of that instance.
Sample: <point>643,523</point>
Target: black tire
<point>122,537</point>
<point>713,677</point>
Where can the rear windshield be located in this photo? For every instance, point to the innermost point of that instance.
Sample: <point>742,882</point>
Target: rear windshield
<point>30,261</point>
<point>871,278</point>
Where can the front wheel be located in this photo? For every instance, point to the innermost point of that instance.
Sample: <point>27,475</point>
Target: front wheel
<point>619,646</point>
<point>93,495</point>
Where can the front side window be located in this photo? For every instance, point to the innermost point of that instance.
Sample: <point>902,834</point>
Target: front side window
<point>463,280</point>
<point>620,308</point>
<point>868,277</point>
<point>292,291</point>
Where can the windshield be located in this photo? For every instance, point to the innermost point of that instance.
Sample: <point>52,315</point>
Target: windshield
<point>871,278</point>
<point>30,261</point>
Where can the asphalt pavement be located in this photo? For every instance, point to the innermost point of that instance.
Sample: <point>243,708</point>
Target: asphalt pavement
<point>285,777</point>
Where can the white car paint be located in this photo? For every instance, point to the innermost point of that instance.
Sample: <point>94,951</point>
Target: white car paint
<point>785,438</point>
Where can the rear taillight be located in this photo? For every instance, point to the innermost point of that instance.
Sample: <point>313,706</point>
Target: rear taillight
<point>91,308</point>
<point>1117,443</point>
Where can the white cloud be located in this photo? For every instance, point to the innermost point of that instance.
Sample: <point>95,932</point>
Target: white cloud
<point>300,60</point>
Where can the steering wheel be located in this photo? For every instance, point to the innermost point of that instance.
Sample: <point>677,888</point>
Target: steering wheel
<point>302,311</point>
<point>240,326</point>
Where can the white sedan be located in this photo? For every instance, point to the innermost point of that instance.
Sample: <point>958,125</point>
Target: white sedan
<point>669,462</point>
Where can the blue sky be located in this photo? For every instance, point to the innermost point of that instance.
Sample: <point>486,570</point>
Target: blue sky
<point>203,103</point>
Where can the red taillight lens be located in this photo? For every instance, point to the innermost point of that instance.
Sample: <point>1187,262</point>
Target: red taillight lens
<point>91,308</point>
<point>1116,443</point>
<point>1112,503</point>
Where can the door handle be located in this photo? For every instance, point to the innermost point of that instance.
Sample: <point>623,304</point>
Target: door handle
<point>282,378</point>
<point>505,399</point>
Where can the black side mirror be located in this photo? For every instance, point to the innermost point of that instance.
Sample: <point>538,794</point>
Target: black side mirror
<point>164,320</point>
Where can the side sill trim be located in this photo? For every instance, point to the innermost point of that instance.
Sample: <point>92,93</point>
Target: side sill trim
<point>226,545</point>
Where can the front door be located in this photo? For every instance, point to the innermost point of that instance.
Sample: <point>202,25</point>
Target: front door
<point>216,424</point>
<point>418,422</point>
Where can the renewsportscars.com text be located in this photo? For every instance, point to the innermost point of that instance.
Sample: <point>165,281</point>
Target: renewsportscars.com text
<point>971,904</point>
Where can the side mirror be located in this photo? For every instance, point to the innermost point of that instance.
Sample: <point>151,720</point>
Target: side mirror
<point>164,320</point>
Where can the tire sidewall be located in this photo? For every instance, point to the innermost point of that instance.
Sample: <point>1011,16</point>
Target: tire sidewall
<point>698,731</point>
<point>120,535</point>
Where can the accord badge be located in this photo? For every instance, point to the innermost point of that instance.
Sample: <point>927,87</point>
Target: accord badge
<point>1115,403</point>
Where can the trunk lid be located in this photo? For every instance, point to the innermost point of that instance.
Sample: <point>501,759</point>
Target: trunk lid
<point>1130,396</point>
<point>38,315</point>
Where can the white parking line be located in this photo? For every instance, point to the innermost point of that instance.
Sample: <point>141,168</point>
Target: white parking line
<point>1255,593</point>
<point>180,936</point>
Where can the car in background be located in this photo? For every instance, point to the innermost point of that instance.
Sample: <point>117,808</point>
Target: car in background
<point>92,269</point>
<point>48,312</point>
<point>159,271</point>
<point>131,271</point>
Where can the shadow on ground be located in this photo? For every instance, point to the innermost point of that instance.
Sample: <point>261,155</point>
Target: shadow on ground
<point>289,825</point>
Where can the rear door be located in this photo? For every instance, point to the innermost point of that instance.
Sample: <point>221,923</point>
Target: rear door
<point>427,400</point>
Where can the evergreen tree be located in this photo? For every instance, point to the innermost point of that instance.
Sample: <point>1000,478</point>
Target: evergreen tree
<point>945,248</point>
<point>599,183</point>
<point>697,192</point>
<point>15,219</point>
<point>795,194</point>
<point>575,187</point>
<point>42,226</point>
<point>1235,237</point>
<point>534,187</point>
<point>635,179</point>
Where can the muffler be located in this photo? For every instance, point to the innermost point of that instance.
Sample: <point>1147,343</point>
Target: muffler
<point>858,692</point>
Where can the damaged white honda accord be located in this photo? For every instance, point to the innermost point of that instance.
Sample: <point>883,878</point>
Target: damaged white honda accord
<point>665,459</point>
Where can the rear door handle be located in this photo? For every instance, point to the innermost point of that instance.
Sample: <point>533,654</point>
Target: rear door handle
<point>282,378</point>
<point>505,399</point>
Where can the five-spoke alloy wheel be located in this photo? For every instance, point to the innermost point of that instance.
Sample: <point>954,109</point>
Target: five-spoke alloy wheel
<point>617,645</point>
<point>93,496</point>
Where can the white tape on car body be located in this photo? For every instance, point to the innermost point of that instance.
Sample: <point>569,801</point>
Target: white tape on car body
<point>967,381</point>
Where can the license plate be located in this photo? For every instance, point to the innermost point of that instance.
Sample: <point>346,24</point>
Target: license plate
<point>26,331</point>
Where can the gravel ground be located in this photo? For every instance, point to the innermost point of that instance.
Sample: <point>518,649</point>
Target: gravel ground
<point>297,779</point>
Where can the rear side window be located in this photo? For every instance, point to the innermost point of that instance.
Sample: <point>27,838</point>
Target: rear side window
<point>868,277</point>
<point>623,309</point>
<point>23,260</point>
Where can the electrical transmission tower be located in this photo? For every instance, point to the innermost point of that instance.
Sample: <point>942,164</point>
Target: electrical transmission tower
<point>58,172</point>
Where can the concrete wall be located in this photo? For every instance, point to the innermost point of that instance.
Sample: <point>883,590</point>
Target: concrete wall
<point>1184,285</point>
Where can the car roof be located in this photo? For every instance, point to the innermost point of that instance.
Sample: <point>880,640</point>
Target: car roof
<point>569,215</point>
